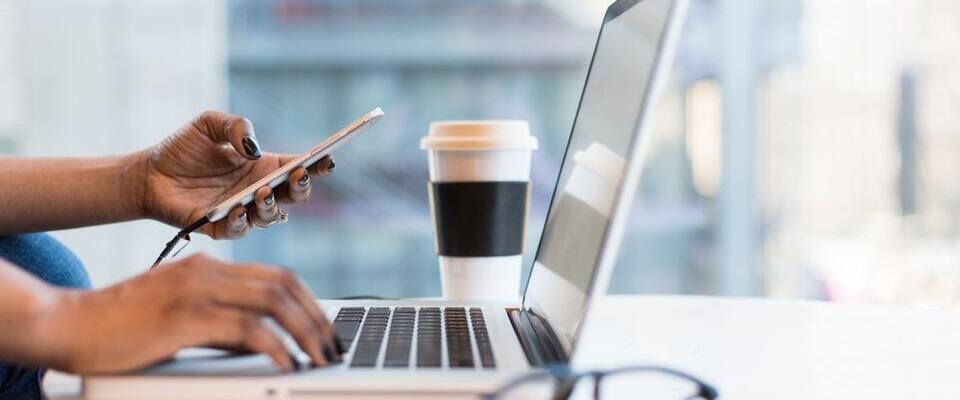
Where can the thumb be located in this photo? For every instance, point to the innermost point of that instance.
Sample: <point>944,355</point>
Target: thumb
<point>221,127</point>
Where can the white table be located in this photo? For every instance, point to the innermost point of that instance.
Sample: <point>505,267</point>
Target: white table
<point>771,349</point>
<point>780,349</point>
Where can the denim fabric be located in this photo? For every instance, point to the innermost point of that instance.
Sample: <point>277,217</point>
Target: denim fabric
<point>44,257</point>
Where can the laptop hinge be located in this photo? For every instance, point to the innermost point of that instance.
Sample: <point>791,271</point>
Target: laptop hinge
<point>537,338</point>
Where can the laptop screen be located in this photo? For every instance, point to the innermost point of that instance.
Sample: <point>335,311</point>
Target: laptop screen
<point>591,175</point>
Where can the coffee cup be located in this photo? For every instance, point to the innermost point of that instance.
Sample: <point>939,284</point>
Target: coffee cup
<point>479,194</point>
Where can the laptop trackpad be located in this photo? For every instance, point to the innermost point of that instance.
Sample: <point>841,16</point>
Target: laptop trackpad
<point>210,362</point>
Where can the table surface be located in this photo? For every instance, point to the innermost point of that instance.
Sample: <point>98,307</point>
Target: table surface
<point>783,349</point>
<point>763,348</point>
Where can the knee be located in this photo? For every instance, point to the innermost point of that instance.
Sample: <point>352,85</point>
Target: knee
<point>46,258</point>
<point>20,383</point>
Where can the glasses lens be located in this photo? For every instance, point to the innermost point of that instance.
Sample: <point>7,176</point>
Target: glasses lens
<point>636,385</point>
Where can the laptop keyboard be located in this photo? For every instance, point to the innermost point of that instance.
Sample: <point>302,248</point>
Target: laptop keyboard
<point>415,337</point>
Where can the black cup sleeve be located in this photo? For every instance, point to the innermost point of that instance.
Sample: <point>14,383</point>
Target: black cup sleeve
<point>479,219</point>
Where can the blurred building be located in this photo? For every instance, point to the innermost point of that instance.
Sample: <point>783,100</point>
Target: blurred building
<point>804,148</point>
<point>302,69</point>
<point>858,160</point>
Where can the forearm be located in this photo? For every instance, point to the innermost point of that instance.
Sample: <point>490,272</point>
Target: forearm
<point>43,194</point>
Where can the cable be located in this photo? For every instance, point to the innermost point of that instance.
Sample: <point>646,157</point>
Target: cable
<point>184,234</point>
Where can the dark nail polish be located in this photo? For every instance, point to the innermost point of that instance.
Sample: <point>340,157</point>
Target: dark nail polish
<point>304,180</point>
<point>268,200</point>
<point>333,164</point>
<point>293,361</point>
<point>328,354</point>
<point>340,349</point>
<point>251,147</point>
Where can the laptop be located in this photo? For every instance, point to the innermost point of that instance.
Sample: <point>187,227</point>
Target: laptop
<point>422,349</point>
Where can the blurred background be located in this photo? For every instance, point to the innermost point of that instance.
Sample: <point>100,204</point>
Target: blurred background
<point>803,148</point>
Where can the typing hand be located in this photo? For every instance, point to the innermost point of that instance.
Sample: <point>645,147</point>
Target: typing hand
<point>197,301</point>
<point>208,160</point>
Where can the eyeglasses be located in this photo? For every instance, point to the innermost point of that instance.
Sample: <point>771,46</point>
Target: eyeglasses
<point>647,381</point>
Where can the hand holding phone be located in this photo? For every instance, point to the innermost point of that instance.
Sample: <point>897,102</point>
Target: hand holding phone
<point>275,178</point>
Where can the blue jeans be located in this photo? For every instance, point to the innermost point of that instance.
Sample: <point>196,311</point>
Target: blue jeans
<point>47,259</point>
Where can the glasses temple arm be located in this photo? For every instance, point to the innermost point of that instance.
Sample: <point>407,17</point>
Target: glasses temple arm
<point>704,390</point>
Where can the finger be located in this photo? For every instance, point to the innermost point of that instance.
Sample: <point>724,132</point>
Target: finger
<point>226,327</point>
<point>323,167</point>
<point>301,293</point>
<point>234,226</point>
<point>275,300</point>
<point>265,205</point>
<point>308,300</point>
<point>234,129</point>
<point>298,187</point>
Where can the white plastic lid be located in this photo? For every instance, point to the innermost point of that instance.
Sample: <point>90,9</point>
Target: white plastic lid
<point>479,135</point>
<point>602,160</point>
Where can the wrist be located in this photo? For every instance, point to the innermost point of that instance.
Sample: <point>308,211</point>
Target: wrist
<point>76,329</point>
<point>133,179</point>
<point>53,325</point>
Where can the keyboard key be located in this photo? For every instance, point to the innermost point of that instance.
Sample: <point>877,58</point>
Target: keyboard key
<point>400,339</point>
<point>459,350</point>
<point>346,323</point>
<point>428,338</point>
<point>482,338</point>
<point>345,331</point>
<point>371,338</point>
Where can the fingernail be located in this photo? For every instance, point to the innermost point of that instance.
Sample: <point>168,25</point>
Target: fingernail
<point>340,349</point>
<point>294,363</point>
<point>242,218</point>
<point>268,200</point>
<point>329,354</point>
<point>304,180</point>
<point>333,164</point>
<point>251,147</point>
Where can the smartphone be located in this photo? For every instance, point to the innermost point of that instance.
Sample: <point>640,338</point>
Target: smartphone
<point>307,159</point>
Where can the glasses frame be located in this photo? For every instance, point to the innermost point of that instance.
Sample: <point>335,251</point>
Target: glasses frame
<point>567,379</point>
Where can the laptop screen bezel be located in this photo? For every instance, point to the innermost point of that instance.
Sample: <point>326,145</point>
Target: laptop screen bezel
<point>609,243</point>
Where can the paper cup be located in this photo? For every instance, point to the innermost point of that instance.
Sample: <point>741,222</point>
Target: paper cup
<point>479,194</point>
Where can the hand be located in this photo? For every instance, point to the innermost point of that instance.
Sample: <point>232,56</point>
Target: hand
<point>197,301</point>
<point>208,160</point>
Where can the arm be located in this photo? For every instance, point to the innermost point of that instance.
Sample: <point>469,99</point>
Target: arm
<point>197,301</point>
<point>60,193</point>
<point>176,181</point>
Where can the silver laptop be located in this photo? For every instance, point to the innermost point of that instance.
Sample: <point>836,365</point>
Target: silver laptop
<point>420,349</point>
